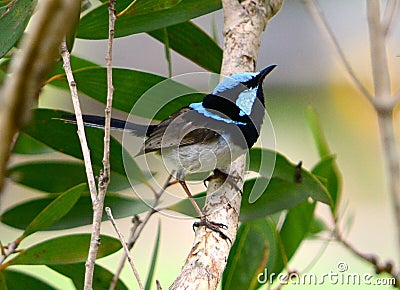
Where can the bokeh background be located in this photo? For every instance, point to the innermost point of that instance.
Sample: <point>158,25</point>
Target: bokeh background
<point>308,73</point>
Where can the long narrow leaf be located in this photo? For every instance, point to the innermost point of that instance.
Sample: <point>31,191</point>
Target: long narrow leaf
<point>64,250</point>
<point>55,210</point>
<point>253,251</point>
<point>76,272</point>
<point>18,280</point>
<point>48,129</point>
<point>13,20</point>
<point>21,215</point>
<point>94,25</point>
<point>150,274</point>
<point>65,174</point>
<point>192,42</point>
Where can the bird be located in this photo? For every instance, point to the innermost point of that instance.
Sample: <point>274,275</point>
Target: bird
<point>205,136</point>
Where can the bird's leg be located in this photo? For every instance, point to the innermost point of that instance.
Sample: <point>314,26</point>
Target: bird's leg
<point>232,180</point>
<point>216,227</point>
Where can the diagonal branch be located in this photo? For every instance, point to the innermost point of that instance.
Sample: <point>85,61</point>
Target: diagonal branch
<point>317,15</point>
<point>79,121</point>
<point>125,247</point>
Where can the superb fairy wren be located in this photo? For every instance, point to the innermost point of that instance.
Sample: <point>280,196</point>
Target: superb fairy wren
<point>204,136</point>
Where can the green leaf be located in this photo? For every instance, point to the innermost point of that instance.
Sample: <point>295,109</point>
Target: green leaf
<point>76,272</point>
<point>20,216</point>
<point>193,43</point>
<point>327,170</point>
<point>277,191</point>
<point>130,86</point>
<point>64,250</point>
<point>94,25</point>
<point>63,137</point>
<point>294,230</point>
<point>142,7</point>
<point>250,255</point>
<point>3,282</point>
<point>13,20</point>
<point>278,195</point>
<point>317,226</point>
<point>260,162</point>
<point>19,280</point>
<point>65,174</point>
<point>28,145</point>
<point>316,129</point>
<point>167,48</point>
<point>77,64</point>
<point>55,210</point>
<point>150,274</point>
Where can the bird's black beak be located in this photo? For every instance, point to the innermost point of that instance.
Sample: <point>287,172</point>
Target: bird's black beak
<point>263,73</point>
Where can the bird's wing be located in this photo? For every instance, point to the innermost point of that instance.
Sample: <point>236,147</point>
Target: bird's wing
<point>183,128</point>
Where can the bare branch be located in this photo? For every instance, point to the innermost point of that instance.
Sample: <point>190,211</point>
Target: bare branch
<point>318,16</point>
<point>104,178</point>
<point>123,243</point>
<point>381,79</point>
<point>79,121</point>
<point>137,229</point>
<point>389,16</point>
<point>386,267</point>
<point>244,23</point>
<point>30,67</point>
<point>11,248</point>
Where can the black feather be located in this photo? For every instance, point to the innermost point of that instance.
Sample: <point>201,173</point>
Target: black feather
<point>117,124</point>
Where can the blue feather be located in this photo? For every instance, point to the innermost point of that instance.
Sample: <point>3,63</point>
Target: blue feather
<point>245,101</point>
<point>200,109</point>
<point>233,81</point>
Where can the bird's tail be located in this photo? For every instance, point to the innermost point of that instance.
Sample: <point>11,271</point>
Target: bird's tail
<point>116,124</point>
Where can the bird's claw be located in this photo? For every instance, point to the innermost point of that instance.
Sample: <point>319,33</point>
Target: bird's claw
<point>214,226</point>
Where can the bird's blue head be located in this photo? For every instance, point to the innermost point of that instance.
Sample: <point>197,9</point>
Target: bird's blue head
<point>238,99</point>
<point>244,88</point>
<point>235,96</point>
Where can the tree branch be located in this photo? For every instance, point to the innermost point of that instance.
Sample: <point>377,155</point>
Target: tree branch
<point>244,23</point>
<point>137,229</point>
<point>386,267</point>
<point>104,178</point>
<point>79,121</point>
<point>29,68</point>
<point>320,21</point>
<point>380,73</point>
<point>126,250</point>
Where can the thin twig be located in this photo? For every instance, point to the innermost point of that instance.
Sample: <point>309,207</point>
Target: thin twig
<point>137,230</point>
<point>386,267</point>
<point>320,21</point>
<point>135,224</point>
<point>79,121</point>
<point>123,243</point>
<point>104,178</point>
<point>389,16</point>
<point>11,247</point>
<point>158,285</point>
